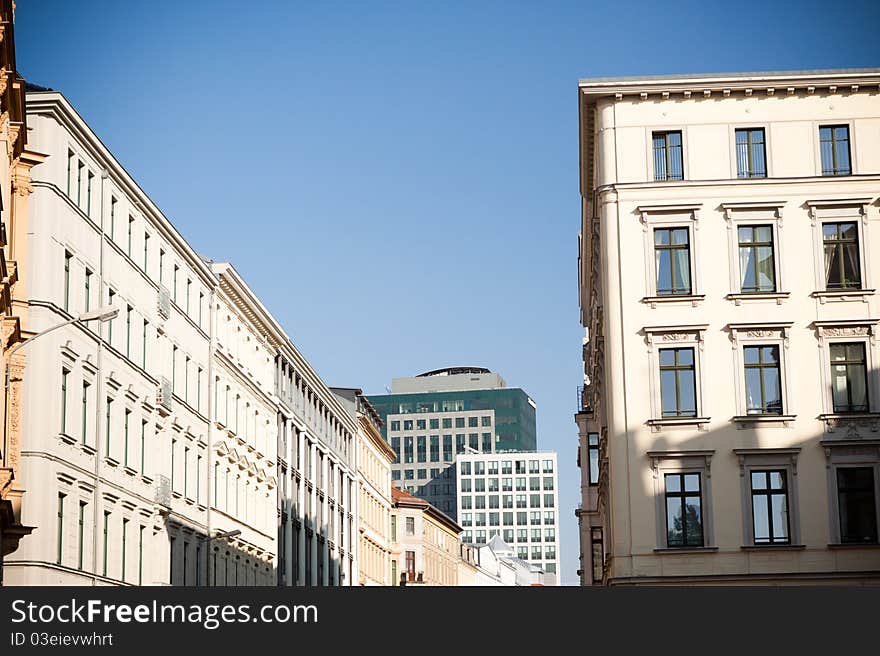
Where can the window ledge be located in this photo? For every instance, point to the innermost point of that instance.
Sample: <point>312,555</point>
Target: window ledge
<point>90,450</point>
<point>113,462</point>
<point>785,420</point>
<point>131,471</point>
<point>693,299</point>
<point>826,296</point>
<point>671,422</point>
<point>853,420</point>
<point>64,437</point>
<point>773,547</point>
<point>855,545</point>
<point>738,298</point>
<point>678,550</point>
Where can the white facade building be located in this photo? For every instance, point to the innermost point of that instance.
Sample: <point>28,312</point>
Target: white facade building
<point>513,495</point>
<point>152,445</point>
<point>729,252</point>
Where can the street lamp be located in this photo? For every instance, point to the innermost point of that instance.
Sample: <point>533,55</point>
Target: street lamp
<point>227,534</point>
<point>217,536</point>
<point>101,314</point>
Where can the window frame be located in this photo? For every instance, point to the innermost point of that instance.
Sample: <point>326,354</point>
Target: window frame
<point>817,131</point>
<point>663,337</point>
<point>849,453</point>
<point>671,216</point>
<point>762,459</point>
<point>734,163</point>
<point>776,334</point>
<point>666,131</point>
<point>696,461</point>
<point>841,210</point>
<point>848,331</point>
<point>743,214</point>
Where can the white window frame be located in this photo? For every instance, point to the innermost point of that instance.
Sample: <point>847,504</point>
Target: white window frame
<point>761,334</point>
<point>836,210</point>
<point>848,331</point>
<point>658,337</point>
<point>738,214</point>
<point>763,459</point>
<point>682,462</point>
<point>671,216</point>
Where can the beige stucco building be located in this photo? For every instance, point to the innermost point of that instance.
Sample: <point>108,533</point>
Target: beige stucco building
<point>729,422</point>
<point>424,542</point>
<point>15,190</point>
<point>374,458</point>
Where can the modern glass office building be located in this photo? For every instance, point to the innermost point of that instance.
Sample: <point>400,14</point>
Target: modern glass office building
<point>431,418</point>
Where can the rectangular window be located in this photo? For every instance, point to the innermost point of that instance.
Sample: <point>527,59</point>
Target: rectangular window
<point>407,449</point>
<point>447,448</point>
<point>593,452</point>
<point>411,565</point>
<point>107,426</point>
<point>80,534</point>
<point>106,539</point>
<point>67,258</point>
<point>757,268</point>
<point>598,551</point>
<point>763,385</point>
<point>394,528</point>
<point>146,251</point>
<point>673,261</point>
<point>421,455</point>
<point>89,184</point>
<point>667,156</point>
<point>174,284</point>
<point>678,382</point>
<point>112,218</point>
<point>129,235</point>
<point>60,526</point>
<point>141,556</point>
<point>143,445</point>
<point>64,376</point>
<point>410,526</point>
<point>849,377</point>
<point>128,309</point>
<point>834,147</point>
<point>857,505</point>
<point>125,435</point>
<point>751,159</point>
<point>88,294</point>
<point>770,507</point>
<point>161,265</point>
<point>79,175</point>
<point>684,518</point>
<point>111,296</point>
<point>70,161</point>
<point>124,546</point>
<point>435,448</point>
<point>85,411</point>
<point>144,345</point>
<point>840,243</point>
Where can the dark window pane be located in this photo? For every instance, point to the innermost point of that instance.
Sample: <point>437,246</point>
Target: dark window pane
<point>857,505</point>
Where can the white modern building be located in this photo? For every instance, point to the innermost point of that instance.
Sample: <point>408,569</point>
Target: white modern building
<point>730,240</point>
<point>153,444</point>
<point>512,495</point>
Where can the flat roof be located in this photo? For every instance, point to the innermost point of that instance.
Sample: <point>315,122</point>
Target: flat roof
<point>685,77</point>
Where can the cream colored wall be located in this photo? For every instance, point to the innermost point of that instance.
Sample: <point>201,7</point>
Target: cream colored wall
<point>792,128</point>
<point>374,512</point>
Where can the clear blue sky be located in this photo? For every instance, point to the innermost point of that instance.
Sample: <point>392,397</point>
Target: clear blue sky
<point>398,180</point>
